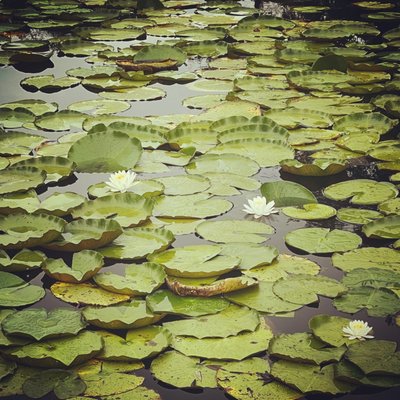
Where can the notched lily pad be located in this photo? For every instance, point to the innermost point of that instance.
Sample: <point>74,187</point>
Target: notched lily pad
<point>24,260</point>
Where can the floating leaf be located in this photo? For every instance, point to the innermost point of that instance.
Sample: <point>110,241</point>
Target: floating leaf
<point>86,293</point>
<point>281,267</point>
<point>20,179</point>
<point>22,261</point>
<point>39,324</point>
<point>60,121</point>
<point>138,280</point>
<point>304,347</point>
<point>99,107</point>
<point>286,193</point>
<point>217,287</point>
<point>329,329</point>
<point>372,277</point>
<point>105,152</point>
<point>195,261</point>
<point>357,215</point>
<point>28,230</point>
<point>324,168</point>
<point>55,353</point>
<point>126,208</point>
<point>85,264</point>
<point>49,83</point>
<point>378,302</point>
<point>61,204</point>
<point>15,118</point>
<point>310,212</point>
<point>14,142</point>
<point>134,314</point>
<point>36,106</point>
<point>234,231</point>
<point>231,348</point>
<point>310,378</point>
<point>137,345</point>
<point>164,301</point>
<point>323,240</point>
<point>230,321</point>
<point>304,289</point>
<point>383,228</point>
<point>137,243</point>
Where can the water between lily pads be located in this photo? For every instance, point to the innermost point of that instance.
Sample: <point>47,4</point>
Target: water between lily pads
<point>171,104</point>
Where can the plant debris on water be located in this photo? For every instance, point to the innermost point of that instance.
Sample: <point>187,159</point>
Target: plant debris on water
<point>199,199</point>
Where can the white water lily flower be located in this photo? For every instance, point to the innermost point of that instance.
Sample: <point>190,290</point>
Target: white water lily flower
<point>357,329</point>
<point>259,207</point>
<point>121,181</point>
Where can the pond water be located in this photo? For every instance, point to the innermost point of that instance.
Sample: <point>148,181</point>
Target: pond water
<point>360,165</point>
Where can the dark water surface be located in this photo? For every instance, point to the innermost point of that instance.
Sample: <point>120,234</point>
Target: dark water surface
<point>171,104</point>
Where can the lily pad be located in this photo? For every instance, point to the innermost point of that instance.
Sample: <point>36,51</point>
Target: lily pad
<point>36,106</point>
<point>231,321</point>
<point>195,261</point>
<point>329,329</point>
<point>138,344</point>
<point>61,204</point>
<point>55,353</point>
<point>49,83</point>
<point>310,212</point>
<point>304,347</point>
<point>304,289</point>
<point>105,152</point>
<point>39,324</point>
<point>227,231</point>
<point>321,168</point>
<point>14,142</point>
<point>20,179</point>
<point>323,240</point>
<point>231,348</point>
<point>84,234</point>
<point>28,230</point>
<point>383,228</point>
<point>60,121</point>
<point>15,118</point>
<point>127,315</point>
<point>85,264</point>
<point>286,193</point>
<point>138,280</point>
<point>184,184</point>
<point>127,209</point>
<point>357,215</point>
<point>99,107</point>
<point>165,301</point>
<point>24,260</point>
<point>86,293</point>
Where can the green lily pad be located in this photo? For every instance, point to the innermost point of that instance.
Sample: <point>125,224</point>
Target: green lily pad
<point>199,205</point>
<point>389,207</point>
<point>383,352</point>
<point>136,243</point>
<point>86,234</point>
<point>6,368</point>
<point>36,106</point>
<point>127,209</point>
<point>111,34</point>
<point>138,280</point>
<point>49,83</point>
<point>230,321</point>
<point>189,287</point>
<point>135,94</point>
<point>227,231</point>
<point>231,348</point>
<point>20,179</point>
<point>165,301</point>
<point>304,347</point>
<point>138,344</point>
<point>86,293</point>
<point>19,202</point>
<point>223,163</point>
<point>317,168</point>
<point>85,264</point>
<point>281,267</point>
<point>14,142</point>
<point>184,184</point>
<point>263,299</point>
<point>267,153</point>
<point>55,353</point>
<point>61,204</point>
<point>195,261</point>
<point>378,302</point>
<point>60,121</point>
<point>251,255</point>
<point>40,324</point>
<point>133,314</point>
<point>160,53</point>
<point>99,107</point>
<point>383,228</point>
<point>357,215</point>
<point>29,230</point>
<point>22,261</point>
<point>368,257</point>
<point>310,378</point>
<point>372,277</point>
<point>310,212</point>
<point>323,240</point>
<point>12,385</point>
<point>105,152</point>
<point>64,384</point>
<point>361,191</point>
<point>181,371</point>
<point>8,341</point>
<point>304,289</point>
<point>15,118</point>
<point>329,329</point>
<point>286,193</point>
